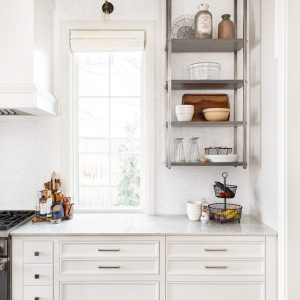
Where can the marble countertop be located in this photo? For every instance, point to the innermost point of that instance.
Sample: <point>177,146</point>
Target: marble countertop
<point>139,224</point>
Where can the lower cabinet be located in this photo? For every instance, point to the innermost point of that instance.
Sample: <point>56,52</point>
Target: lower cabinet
<point>216,291</point>
<point>38,293</point>
<point>110,291</point>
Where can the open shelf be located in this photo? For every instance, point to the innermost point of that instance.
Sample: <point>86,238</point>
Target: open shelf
<point>207,124</point>
<point>199,164</point>
<point>206,84</point>
<point>206,45</point>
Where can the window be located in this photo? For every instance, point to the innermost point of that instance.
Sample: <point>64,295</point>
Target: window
<point>108,128</point>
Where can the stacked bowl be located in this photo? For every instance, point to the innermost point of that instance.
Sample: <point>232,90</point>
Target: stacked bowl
<point>185,113</point>
<point>193,209</point>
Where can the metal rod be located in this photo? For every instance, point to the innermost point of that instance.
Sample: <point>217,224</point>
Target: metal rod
<point>169,81</point>
<point>245,88</point>
<point>235,77</point>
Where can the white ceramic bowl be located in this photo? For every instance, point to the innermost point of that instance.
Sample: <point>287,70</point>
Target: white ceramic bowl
<point>185,108</point>
<point>184,117</point>
<point>230,158</point>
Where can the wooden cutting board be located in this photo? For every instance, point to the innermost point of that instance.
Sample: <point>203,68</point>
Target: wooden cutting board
<point>202,101</point>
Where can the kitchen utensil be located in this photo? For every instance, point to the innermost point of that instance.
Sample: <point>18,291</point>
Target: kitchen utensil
<point>204,71</point>
<point>218,150</point>
<point>204,101</point>
<point>183,27</point>
<point>229,158</point>
<point>233,212</point>
<point>194,150</point>
<point>179,151</point>
<point>216,114</point>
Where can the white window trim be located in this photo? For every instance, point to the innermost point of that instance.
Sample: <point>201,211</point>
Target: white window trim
<point>66,107</point>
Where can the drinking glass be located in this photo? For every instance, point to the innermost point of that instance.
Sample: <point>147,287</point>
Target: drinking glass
<point>194,150</point>
<point>179,151</point>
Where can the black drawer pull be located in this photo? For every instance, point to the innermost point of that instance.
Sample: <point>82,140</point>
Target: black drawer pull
<point>36,276</point>
<point>36,298</point>
<point>36,253</point>
<point>109,267</point>
<point>109,250</point>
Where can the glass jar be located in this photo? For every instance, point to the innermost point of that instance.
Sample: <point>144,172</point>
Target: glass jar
<point>203,23</point>
<point>226,28</point>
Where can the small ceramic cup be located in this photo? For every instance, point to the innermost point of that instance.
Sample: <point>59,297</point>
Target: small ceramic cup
<point>193,209</point>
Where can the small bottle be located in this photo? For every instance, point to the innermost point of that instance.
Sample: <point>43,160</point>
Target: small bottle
<point>205,213</point>
<point>226,28</point>
<point>203,23</point>
<point>43,206</point>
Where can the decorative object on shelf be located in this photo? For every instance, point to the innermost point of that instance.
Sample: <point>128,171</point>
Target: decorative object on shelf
<point>218,151</point>
<point>216,114</point>
<point>194,150</point>
<point>205,212</point>
<point>179,150</point>
<point>225,212</point>
<point>193,210</point>
<point>226,28</point>
<point>204,71</point>
<point>203,101</point>
<point>228,158</point>
<point>184,113</point>
<point>53,204</point>
<point>107,9</point>
<point>183,27</point>
<point>203,23</point>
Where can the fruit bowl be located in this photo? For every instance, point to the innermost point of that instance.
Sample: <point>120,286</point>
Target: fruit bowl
<point>225,213</point>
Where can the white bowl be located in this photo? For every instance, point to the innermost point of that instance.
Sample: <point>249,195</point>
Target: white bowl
<point>185,107</point>
<point>184,117</point>
<point>193,204</point>
<point>229,158</point>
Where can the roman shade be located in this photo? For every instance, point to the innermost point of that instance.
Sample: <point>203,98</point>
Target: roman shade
<point>107,40</point>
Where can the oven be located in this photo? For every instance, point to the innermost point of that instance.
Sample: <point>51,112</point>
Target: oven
<point>5,268</point>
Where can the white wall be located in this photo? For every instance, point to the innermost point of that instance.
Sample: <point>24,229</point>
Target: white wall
<point>173,187</point>
<point>264,115</point>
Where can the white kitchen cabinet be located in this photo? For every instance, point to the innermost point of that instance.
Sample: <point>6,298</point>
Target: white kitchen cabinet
<point>26,56</point>
<point>144,267</point>
<point>110,291</point>
<point>216,291</point>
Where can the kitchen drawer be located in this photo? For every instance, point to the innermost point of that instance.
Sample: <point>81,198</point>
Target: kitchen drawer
<point>109,249</point>
<point>216,291</point>
<point>110,267</point>
<point>195,249</point>
<point>38,252</point>
<point>216,267</point>
<point>38,293</point>
<point>35,274</point>
<point>110,291</point>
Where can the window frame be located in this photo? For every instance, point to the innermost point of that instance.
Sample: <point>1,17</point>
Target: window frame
<point>68,117</point>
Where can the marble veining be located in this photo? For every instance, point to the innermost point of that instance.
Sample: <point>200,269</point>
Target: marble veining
<point>139,224</point>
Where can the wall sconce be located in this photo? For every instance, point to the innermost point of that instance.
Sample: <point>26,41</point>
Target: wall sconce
<point>107,9</point>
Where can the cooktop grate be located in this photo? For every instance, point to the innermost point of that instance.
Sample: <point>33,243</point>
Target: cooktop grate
<point>10,218</point>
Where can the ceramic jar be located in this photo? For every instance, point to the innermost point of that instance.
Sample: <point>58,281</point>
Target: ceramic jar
<point>226,28</point>
<point>203,23</point>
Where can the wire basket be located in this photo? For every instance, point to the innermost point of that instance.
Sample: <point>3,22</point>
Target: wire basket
<point>218,151</point>
<point>183,27</point>
<point>225,213</point>
<point>227,192</point>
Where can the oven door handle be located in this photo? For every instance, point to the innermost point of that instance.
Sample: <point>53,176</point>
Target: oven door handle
<point>3,262</point>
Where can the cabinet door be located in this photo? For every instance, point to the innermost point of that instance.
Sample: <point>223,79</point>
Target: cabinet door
<point>110,291</point>
<point>216,291</point>
<point>38,293</point>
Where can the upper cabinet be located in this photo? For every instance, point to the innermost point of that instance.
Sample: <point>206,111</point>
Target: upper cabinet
<point>26,57</point>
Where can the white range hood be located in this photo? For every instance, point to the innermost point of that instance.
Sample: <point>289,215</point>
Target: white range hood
<point>26,57</point>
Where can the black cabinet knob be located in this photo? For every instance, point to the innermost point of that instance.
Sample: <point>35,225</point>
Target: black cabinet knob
<point>36,276</point>
<point>36,298</point>
<point>36,253</point>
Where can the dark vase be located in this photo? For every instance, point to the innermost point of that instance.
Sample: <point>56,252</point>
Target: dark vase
<point>226,28</point>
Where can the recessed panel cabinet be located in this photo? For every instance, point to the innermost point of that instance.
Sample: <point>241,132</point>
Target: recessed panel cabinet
<point>144,267</point>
